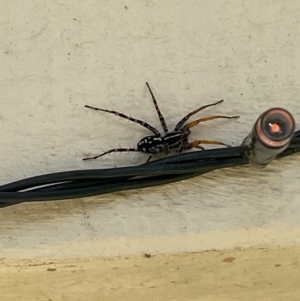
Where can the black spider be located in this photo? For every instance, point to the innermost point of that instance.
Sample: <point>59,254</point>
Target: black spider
<point>175,141</point>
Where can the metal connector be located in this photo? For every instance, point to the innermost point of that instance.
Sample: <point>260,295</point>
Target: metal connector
<point>270,135</point>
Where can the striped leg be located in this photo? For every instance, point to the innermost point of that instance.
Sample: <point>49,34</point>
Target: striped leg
<point>185,118</point>
<point>114,150</point>
<point>160,115</point>
<point>141,122</point>
<point>195,144</point>
<point>195,122</point>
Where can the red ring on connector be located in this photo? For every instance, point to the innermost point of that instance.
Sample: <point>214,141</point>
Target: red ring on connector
<point>264,138</point>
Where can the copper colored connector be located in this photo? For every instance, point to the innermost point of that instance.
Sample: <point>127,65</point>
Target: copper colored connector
<point>275,128</point>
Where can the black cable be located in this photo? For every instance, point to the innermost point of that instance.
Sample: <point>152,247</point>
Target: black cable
<point>113,186</point>
<point>174,164</point>
<point>83,183</point>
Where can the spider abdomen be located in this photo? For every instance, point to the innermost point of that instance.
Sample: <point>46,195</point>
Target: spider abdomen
<point>171,142</point>
<point>151,145</point>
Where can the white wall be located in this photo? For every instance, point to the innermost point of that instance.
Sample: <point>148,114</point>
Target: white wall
<point>58,56</point>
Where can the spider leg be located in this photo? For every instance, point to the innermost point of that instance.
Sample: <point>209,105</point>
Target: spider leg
<point>185,118</point>
<point>114,150</point>
<point>195,144</point>
<point>141,122</point>
<point>195,122</point>
<point>160,115</point>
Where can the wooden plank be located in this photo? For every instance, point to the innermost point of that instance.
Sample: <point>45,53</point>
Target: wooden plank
<point>252,274</point>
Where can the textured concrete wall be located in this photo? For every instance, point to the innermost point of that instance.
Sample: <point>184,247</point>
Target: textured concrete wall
<point>58,56</point>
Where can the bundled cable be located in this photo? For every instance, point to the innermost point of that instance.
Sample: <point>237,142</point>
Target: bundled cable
<point>272,137</point>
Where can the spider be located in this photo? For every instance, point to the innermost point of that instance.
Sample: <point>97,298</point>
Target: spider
<point>175,141</point>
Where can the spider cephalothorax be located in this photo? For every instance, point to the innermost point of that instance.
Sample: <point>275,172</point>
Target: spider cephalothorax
<point>175,141</point>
